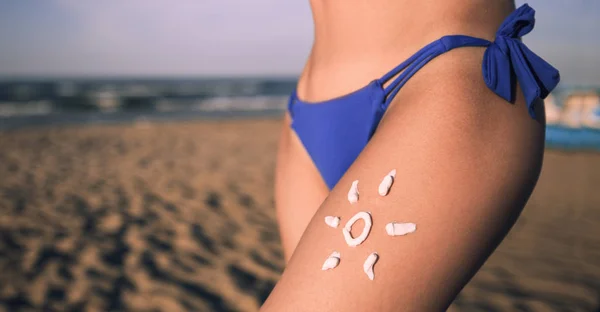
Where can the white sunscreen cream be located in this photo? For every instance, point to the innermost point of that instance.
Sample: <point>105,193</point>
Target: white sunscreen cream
<point>332,261</point>
<point>398,229</point>
<point>333,222</point>
<point>369,263</point>
<point>353,193</point>
<point>386,184</point>
<point>351,241</point>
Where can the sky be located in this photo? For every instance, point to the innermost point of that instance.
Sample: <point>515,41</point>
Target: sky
<point>227,37</point>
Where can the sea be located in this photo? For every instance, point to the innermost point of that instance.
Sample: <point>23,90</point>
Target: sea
<point>33,102</point>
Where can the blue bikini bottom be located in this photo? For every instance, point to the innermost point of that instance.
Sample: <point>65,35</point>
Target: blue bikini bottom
<point>334,132</point>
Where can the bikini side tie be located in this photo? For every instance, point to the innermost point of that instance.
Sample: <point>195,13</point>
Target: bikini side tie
<point>507,60</point>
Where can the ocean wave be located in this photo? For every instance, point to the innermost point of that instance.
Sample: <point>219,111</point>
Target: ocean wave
<point>26,108</point>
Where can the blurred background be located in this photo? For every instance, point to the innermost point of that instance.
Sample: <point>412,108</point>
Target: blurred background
<point>137,148</point>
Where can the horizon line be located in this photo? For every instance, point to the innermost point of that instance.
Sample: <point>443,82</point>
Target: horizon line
<point>4,78</point>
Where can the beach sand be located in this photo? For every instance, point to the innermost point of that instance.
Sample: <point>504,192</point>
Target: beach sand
<point>180,217</point>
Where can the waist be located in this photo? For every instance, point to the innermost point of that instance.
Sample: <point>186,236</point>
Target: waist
<point>357,41</point>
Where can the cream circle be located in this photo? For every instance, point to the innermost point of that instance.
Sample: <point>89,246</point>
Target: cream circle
<point>351,241</point>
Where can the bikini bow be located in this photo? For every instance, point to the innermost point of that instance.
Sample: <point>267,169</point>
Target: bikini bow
<point>508,58</point>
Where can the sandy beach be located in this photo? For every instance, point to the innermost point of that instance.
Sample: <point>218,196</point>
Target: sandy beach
<point>180,217</point>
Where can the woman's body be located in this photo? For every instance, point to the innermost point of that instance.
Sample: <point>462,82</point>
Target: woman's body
<point>467,160</point>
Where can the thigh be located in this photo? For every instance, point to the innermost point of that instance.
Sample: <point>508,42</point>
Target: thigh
<point>299,188</point>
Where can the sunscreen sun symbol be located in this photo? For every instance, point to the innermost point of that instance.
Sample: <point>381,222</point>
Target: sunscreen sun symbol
<point>392,228</point>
